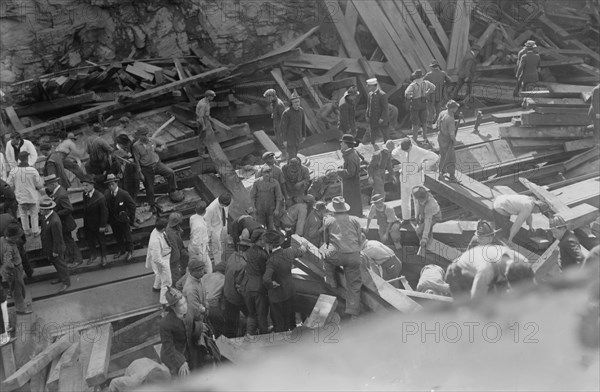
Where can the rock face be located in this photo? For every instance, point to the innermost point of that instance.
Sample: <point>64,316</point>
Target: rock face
<point>42,36</point>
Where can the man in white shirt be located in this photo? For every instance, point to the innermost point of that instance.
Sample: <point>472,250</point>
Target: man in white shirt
<point>27,184</point>
<point>383,259</point>
<point>216,219</point>
<point>15,146</point>
<point>414,162</point>
<point>199,237</point>
<point>522,206</point>
<point>158,257</point>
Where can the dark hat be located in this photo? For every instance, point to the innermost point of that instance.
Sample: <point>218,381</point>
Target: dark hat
<point>47,203</point>
<point>45,147</point>
<point>352,91</point>
<point>245,242</point>
<point>419,192</point>
<point>111,178</point>
<point>23,156</point>
<point>123,139</point>
<point>348,139</point>
<point>13,232</point>
<point>268,154</point>
<point>124,119</point>
<point>434,64</point>
<point>172,296</point>
<point>310,199</point>
<point>175,218</point>
<point>274,238</point>
<point>97,127</point>
<point>225,199</point>
<point>485,229</point>
<point>142,131</point>
<point>71,136</point>
<point>87,179</point>
<point>338,204</point>
<point>320,205</point>
<point>256,235</point>
<point>405,144</point>
<point>417,74</point>
<point>196,266</point>
<point>51,179</point>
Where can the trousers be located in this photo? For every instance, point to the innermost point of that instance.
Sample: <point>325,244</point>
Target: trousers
<point>257,304</point>
<point>16,285</point>
<point>93,238</point>
<point>61,268</point>
<point>162,279</point>
<point>161,169</point>
<point>350,263</point>
<point>29,215</point>
<point>283,315</point>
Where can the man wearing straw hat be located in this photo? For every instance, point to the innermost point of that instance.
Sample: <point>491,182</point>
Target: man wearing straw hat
<point>343,242</point>
<point>293,126</point>
<point>528,70</point>
<point>53,244</point>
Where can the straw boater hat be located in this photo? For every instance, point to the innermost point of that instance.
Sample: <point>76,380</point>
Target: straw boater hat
<point>111,178</point>
<point>377,198</point>
<point>530,44</point>
<point>51,179</point>
<point>46,203</point>
<point>372,82</point>
<point>270,93</point>
<point>338,204</point>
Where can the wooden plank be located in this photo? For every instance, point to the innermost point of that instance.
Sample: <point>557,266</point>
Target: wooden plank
<point>147,67</point>
<point>433,297</point>
<point>345,30</point>
<point>459,38</point>
<point>543,64</point>
<point>13,118</point>
<point>149,342</point>
<point>580,216</point>
<point>97,369</point>
<point>535,119</point>
<point>325,63</point>
<point>68,357</point>
<point>561,110</point>
<point>92,113</point>
<point>373,18</point>
<point>547,260</point>
<point>433,20</point>
<point>9,366</point>
<point>537,143</point>
<point>139,72</point>
<point>61,103</point>
<point>322,312</point>
<point>405,284</point>
<point>181,74</point>
<point>582,158</point>
<point>487,34</point>
<point>581,144</point>
<point>266,142</point>
<point>312,92</point>
<point>559,132</point>
<point>386,291</point>
<point>543,194</point>
<point>560,102</point>
<point>34,366</point>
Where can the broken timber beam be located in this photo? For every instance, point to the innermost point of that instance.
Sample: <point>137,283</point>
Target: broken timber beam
<point>92,113</point>
<point>97,369</point>
<point>67,357</point>
<point>546,262</point>
<point>322,312</point>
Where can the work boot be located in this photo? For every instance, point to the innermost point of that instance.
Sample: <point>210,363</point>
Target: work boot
<point>103,262</point>
<point>64,288</point>
<point>129,257</point>
<point>92,259</point>
<point>119,255</point>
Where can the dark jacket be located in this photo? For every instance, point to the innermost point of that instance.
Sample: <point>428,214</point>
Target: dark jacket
<point>178,250</point>
<point>234,273</point>
<point>570,250</point>
<point>468,66</point>
<point>8,200</point>
<point>293,126</point>
<point>377,108</point>
<point>351,181</point>
<point>440,80</point>
<point>239,224</point>
<point>256,264</point>
<point>95,213</point>
<point>52,237</point>
<point>179,339</point>
<point>64,209</point>
<point>121,208</point>
<point>279,269</point>
<point>347,120</point>
<point>527,71</point>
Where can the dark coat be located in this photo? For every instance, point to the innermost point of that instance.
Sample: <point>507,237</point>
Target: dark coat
<point>238,225</point>
<point>279,269</point>
<point>178,250</point>
<point>52,237</point>
<point>440,80</point>
<point>347,120</point>
<point>377,108</point>
<point>64,209</point>
<point>351,181</point>
<point>121,208</point>
<point>7,198</point>
<point>256,264</point>
<point>527,72</point>
<point>293,126</point>
<point>570,250</point>
<point>95,213</point>
<point>179,338</point>
<point>468,66</point>
<point>234,272</point>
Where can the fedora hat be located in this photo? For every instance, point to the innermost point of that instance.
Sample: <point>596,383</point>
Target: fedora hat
<point>377,198</point>
<point>13,232</point>
<point>348,139</point>
<point>485,229</point>
<point>268,154</point>
<point>111,178</point>
<point>87,179</point>
<point>50,179</point>
<point>175,218</point>
<point>338,204</point>
<point>418,74</point>
<point>46,203</point>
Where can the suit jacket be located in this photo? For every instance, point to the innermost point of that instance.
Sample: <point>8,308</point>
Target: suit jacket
<point>52,237</point>
<point>178,339</point>
<point>528,68</point>
<point>468,66</point>
<point>95,213</point>
<point>64,209</point>
<point>347,119</point>
<point>279,269</point>
<point>121,208</point>
<point>256,260</point>
<point>570,250</point>
<point>377,108</point>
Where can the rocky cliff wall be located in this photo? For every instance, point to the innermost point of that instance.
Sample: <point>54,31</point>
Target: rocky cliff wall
<point>41,36</point>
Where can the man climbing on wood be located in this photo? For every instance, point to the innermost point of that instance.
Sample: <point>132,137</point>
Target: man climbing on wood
<point>569,246</point>
<point>522,206</point>
<point>65,156</point>
<point>428,213</point>
<point>528,70</point>
<point>293,126</point>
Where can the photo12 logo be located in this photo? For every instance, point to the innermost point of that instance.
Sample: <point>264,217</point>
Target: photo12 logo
<point>469,331</point>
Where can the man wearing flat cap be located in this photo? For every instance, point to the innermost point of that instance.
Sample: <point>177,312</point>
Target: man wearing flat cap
<point>427,212</point>
<point>279,282</point>
<point>293,126</point>
<point>53,244</point>
<point>447,128</point>
<point>149,164</point>
<point>277,108</point>
<point>64,209</point>
<point>27,185</point>
<point>203,111</point>
<point>377,111</point>
<point>417,94</point>
<point>277,172</point>
<point>95,218</point>
<point>121,215</point>
<point>347,112</point>
<point>466,72</point>
<point>528,69</point>
<point>266,198</point>
<point>343,240</point>
<point>350,174</point>
<point>441,81</point>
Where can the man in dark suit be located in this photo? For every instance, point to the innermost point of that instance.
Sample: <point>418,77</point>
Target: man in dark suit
<point>8,201</point>
<point>185,342</point>
<point>95,217</point>
<point>121,215</point>
<point>377,111</point>
<point>53,244</point>
<point>279,282</point>
<point>64,209</point>
<point>466,72</point>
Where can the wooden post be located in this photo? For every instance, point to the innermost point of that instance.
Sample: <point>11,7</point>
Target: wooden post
<point>322,312</point>
<point>67,358</point>
<point>97,369</point>
<point>8,360</point>
<point>547,260</point>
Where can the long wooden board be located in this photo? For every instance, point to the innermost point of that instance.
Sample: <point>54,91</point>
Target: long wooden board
<point>97,369</point>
